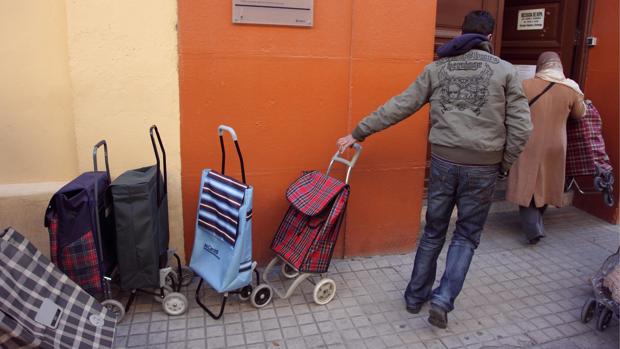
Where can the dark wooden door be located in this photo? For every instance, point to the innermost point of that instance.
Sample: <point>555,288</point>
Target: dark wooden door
<point>559,33</point>
<point>450,14</point>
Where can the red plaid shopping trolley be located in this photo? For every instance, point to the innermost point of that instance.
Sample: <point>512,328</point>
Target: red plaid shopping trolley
<point>586,155</point>
<point>305,240</point>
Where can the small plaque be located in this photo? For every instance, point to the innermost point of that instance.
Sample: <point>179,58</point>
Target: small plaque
<point>533,19</point>
<point>526,71</point>
<point>297,13</point>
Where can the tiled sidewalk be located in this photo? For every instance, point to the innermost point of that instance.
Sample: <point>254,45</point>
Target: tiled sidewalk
<point>515,296</point>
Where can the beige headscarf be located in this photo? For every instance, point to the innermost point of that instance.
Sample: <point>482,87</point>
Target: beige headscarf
<point>549,68</point>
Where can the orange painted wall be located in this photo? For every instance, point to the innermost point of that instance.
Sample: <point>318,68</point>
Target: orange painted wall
<point>290,93</point>
<point>602,87</point>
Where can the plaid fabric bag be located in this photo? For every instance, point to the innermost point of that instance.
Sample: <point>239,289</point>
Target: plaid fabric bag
<point>40,307</point>
<point>71,221</point>
<point>585,145</point>
<point>308,233</point>
<point>78,259</point>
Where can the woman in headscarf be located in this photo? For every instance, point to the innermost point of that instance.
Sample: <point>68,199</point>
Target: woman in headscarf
<point>537,177</point>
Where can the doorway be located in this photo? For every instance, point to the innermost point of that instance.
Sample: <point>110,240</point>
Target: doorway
<point>565,26</point>
<point>535,26</point>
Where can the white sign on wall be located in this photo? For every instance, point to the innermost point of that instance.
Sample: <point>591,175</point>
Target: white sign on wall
<point>533,19</point>
<point>274,12</point>
<point>525,72</point>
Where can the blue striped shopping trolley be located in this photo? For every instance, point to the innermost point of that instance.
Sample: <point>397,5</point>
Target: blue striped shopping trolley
<point>222,253</point>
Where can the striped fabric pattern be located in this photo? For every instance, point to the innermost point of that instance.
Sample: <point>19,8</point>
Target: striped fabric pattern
<point>245,266</point>
<point>221,198</point>
<point>586,147</point>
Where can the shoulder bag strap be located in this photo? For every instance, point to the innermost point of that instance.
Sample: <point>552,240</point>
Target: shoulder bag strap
<point>542,93</point>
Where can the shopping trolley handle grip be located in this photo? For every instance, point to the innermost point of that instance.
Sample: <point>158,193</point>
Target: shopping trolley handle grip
<point>222,128</point>
<point>349,163</point>
<point>154,132</point>
<point>233,134</point>
<point>105,154</point>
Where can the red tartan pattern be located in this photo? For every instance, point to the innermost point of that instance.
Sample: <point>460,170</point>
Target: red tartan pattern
<point>53,231</point>
<point>312,192</point>
<point>307,242</point>
<point>585,145</point>
<point>80,263</point>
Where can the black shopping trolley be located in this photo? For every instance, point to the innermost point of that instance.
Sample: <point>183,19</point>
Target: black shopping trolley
<point>140,202</point>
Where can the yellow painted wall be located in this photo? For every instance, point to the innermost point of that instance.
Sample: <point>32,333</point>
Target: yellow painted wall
<point>72,73</point>
<point>123,69</point>
<point>37,139</point>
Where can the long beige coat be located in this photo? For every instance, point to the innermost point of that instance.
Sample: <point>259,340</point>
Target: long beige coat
<point>539,170</point>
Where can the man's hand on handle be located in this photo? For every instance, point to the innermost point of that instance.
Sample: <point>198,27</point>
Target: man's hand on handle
<point>345,142</point>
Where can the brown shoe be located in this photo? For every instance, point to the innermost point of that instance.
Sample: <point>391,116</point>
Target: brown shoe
<point>414,309</point>
<point>437,317</point>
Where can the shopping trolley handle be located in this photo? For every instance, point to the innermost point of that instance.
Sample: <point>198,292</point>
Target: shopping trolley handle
<point>105,154</point>
<point>154,132</point>
<point>233,134</point>
<point>222,128</point>
<point>349,163</point>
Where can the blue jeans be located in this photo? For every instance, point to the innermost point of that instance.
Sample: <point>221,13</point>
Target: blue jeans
<point>470,188</point>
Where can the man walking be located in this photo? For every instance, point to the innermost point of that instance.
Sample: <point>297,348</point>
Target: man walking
<point>479,123</point>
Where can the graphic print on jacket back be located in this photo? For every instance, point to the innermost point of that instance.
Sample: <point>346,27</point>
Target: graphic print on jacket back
<point>465,81</point>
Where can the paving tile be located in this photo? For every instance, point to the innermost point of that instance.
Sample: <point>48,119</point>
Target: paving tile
<point>236,328</point>
<point>137,340</point>
<point>197,344</point>
<point>270,324</point>
<point>177,336</point>
<point>195,322</point>
<point>251,326</point>
<point>214,331</point>
<point>309,329</point>
<point>177,345</point>
<point>216,342</point>
<point>120,341</point>
<point>157,338</point>
<point>254,337</point>
<point>234,340</point>
<point>434,344</point>
<point>291,332</point>
<point>271,335</point>
<point>195,333</point>
<point>177,324</point>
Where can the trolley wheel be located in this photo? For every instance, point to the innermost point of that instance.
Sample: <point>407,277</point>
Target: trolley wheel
<point>587,311</point>
<point>167,290</point>
<point>608,198</point>
<point>288,271</point>
<point>188,276</point>
<point>116,308</point>
<point>324,291</point>
<point>245,293</point>
<point>175,303</point>
<point>604,318</point>
<point>172,279</point>
<point>599,184</point>
<point>261,295</point>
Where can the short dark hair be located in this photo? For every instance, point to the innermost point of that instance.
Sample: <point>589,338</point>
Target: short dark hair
<point>478,22</point>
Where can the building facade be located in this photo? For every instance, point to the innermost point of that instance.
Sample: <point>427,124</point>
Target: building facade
<point>78,72</point>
